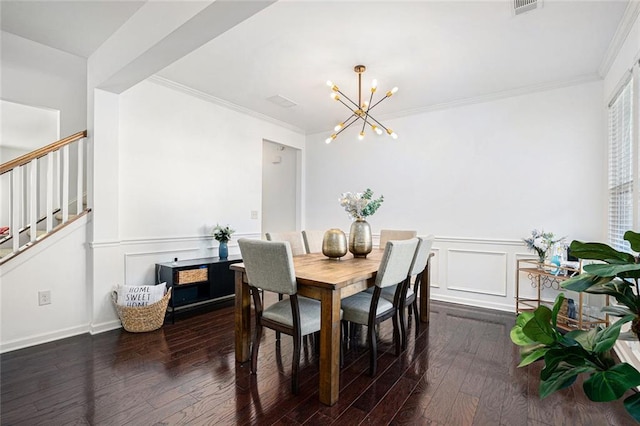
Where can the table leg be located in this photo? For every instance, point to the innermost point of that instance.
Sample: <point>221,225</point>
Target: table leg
<point>242,319</point>
<point>425,293</point>
<point>330,347</point>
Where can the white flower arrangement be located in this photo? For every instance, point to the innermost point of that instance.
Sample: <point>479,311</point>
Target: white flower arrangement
<point>541,242</point>
<point>222,234</point>
<point>360,204</point>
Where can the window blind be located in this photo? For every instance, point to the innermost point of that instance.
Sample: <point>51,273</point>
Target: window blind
<point>621,175</point>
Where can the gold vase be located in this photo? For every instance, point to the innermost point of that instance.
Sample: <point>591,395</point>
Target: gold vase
<point>360,241</point>
<point>334,244</point>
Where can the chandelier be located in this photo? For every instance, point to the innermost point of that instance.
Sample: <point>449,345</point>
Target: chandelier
<point>360,110</point>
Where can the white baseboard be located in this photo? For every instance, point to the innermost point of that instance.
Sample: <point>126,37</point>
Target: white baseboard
<point>473,302</point>
<point>105,326</point>
<point>43,338</point>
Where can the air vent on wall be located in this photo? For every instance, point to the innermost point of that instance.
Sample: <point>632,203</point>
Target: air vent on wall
<point>521,6</point>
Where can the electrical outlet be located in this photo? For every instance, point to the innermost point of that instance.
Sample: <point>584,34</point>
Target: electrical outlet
<point>44,297</point>
<point>254,214</point>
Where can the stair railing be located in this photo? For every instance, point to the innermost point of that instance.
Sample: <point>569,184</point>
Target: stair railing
<point>37,193</point>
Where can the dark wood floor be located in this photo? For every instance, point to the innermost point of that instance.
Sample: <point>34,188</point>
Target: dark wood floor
<point>461,370</point>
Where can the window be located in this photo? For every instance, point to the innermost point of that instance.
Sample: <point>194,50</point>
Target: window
<point>621,170</point>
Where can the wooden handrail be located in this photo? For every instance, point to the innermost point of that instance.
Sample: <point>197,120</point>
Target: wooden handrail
<point>41,152</point>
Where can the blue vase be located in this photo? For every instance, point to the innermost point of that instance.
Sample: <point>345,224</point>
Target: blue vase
<point>556,261</point>
<point>223,250</point>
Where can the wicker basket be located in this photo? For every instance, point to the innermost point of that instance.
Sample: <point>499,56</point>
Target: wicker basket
<point>138,319</point>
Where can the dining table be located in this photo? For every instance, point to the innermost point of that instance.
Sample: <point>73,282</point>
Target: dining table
<point>327,280</point>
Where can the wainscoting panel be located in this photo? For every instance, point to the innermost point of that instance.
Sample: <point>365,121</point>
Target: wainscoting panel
<point>435,267</point>
<point>477,271</point>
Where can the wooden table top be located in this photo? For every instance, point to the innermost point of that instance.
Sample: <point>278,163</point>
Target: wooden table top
<point>317,270</point>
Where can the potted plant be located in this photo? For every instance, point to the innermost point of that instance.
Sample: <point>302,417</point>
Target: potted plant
<point>222,235</point>
<point>566,356</point>
<point>358,206</point>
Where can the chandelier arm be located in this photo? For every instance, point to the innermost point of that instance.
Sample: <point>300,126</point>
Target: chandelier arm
<point>346,125</point>
<point>366,116</point>
<point>374,105</point>
<point>377,122</point>
<point>349,99</point>
<point>348,107</point>
<point>370,100</point>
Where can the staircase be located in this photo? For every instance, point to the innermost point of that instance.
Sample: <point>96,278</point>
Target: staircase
<point>42,192</point>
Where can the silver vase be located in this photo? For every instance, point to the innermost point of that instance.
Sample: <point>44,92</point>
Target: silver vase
<point>360,241</point>
<point>334,244</point>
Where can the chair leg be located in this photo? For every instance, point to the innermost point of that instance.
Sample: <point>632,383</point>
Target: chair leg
<point>257,336</point>
<point>373,350</point>
<point>403,329</point>
<point>316,342</point>
<point>396,334</point>
<point>342,349</point>
<point>416,314</point>
<point>277,332</point>
<point>295,366</point>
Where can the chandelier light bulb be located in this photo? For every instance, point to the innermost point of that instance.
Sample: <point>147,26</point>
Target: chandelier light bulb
<point>361,136</point>
<point>392,92</point>
<point>335,96</point>
<point>330,138</point>
<point>377,130</point>
<point>374,85</point>
<point>338,127</point>
<point>329,83</point>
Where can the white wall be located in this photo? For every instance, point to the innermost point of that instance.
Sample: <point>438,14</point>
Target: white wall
<point>479,177</point>
<point>33,74</point>
<point>56,264</point>
<point>37,75</point>
<point>184,164</point>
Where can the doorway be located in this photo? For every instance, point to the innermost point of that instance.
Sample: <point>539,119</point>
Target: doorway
<point>280,187</point>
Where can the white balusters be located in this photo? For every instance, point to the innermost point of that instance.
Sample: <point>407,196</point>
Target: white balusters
<point>49,220</point>
<point>40,189</point>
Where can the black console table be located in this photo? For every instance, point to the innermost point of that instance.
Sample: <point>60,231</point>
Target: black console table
<point>197,282</point>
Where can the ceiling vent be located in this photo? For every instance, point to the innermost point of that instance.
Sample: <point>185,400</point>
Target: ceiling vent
<point>281,101</point>
<point>522,6</point>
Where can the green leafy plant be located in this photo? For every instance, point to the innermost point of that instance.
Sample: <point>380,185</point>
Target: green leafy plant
<point>222,234</point>
<point>566,356</point>
<point>360,204</point>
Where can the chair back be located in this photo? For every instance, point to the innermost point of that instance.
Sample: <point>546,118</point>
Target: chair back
<point>294,238</point>
<point>396,261</point>
<point>395,234</point>
<point>313,241</point>
<point>421,256</point>
<point>269,265</point>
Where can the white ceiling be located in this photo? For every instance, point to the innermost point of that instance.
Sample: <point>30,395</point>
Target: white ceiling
<point>436,52</point>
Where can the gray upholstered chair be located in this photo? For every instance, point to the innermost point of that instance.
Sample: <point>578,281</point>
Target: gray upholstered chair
<point>313,241</point>
<point>370,309</point>
<point>409,296</point>
<point>294,238</point>
<point>269,267</point>
<point>395,234</point>
<point>297,248</point>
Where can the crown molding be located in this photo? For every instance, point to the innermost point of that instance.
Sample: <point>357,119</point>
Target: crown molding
<point>524,90</point>
<point>587,78</point>
<point>221,102</point>
<point>622,32</point>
